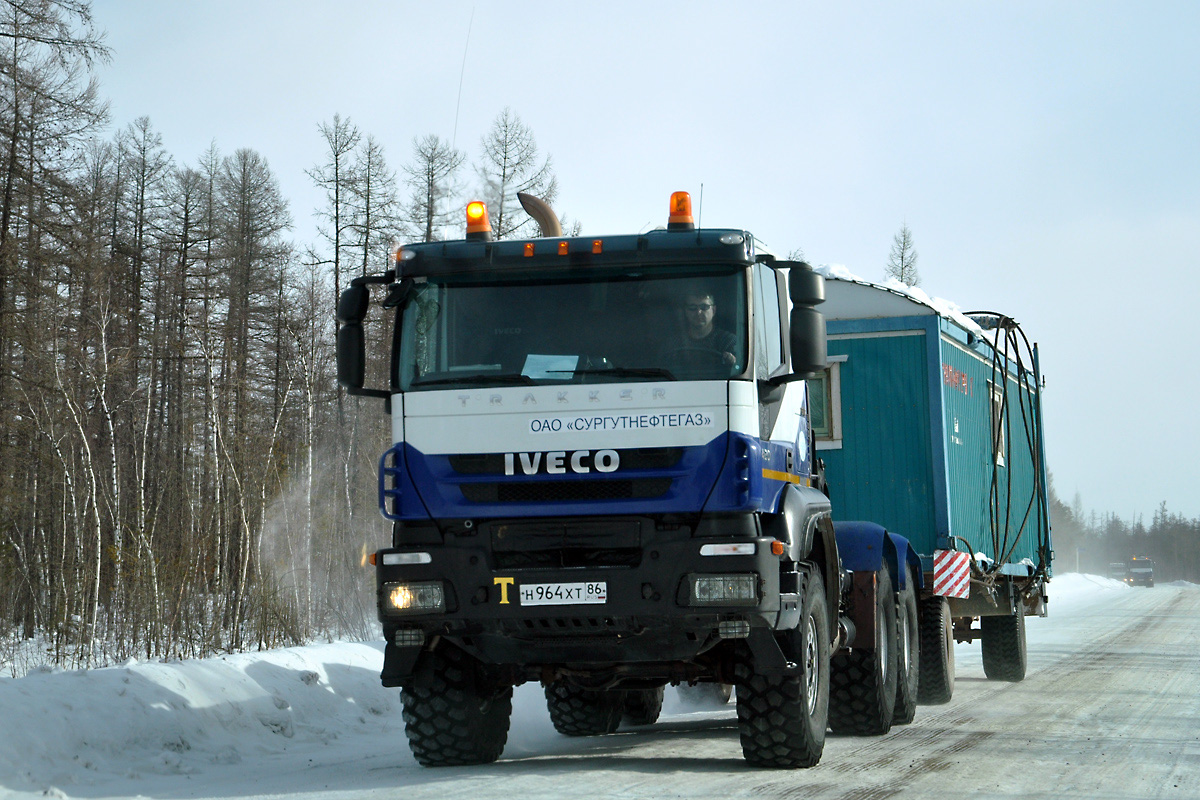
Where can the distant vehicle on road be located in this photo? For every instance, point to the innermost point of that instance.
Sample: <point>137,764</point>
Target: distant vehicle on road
<point>1118,570</point>
<point>1141,571</point>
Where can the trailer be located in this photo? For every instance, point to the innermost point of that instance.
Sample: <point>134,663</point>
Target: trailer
<point>929,421</point>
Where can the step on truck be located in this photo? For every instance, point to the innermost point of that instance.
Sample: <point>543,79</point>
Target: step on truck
<point>602,479</point>
<point>929,421</point>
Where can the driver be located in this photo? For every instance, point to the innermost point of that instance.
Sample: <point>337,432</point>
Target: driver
<point>699,333</point>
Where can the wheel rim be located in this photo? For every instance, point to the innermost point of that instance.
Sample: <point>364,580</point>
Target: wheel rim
<point>812,663</point>
<point>905,642</point>
<point>881,645</point>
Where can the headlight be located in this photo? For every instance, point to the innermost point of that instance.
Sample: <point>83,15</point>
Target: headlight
<point>725,590</point>
<point>413,597</point>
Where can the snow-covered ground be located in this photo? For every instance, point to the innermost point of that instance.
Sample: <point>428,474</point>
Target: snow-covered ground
<point>314,720</point>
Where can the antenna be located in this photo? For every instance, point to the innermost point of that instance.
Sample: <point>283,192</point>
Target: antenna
<point>463,71</point>
<point>700,211</point>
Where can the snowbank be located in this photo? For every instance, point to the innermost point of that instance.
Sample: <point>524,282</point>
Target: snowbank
<point>87,726</point>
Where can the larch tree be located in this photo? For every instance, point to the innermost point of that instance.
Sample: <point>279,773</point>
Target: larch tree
<point>431,178</point>
<point>902,263</point>
<point>510,163</point>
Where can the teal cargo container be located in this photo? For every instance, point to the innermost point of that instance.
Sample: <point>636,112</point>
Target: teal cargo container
<point>929,423</point>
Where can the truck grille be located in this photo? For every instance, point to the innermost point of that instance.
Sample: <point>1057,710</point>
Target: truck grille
<point>568,558</point>
<point>634,458</point>
<point>565,491</point>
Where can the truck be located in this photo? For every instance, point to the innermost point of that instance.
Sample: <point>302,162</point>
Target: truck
<point>1141,571</point>
<point>929,421</point>
<point>603,479</point>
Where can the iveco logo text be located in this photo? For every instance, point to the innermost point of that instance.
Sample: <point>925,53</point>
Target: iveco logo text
<point>560,462</point>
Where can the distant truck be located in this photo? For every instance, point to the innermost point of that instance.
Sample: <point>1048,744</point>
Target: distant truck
<point>1118,570</point>
<point>1141,571</point>
<point>929,422</point>
<point>603,479</point>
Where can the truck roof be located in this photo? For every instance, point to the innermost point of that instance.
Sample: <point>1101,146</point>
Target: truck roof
<point>656,248</point>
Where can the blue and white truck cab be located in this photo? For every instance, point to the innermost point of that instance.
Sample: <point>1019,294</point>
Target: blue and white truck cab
<point>602,478</point>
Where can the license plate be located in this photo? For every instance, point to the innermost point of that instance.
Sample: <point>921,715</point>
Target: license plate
<point>564,594</point>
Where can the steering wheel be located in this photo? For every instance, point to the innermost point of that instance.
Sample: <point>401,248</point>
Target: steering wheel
<point>700,358</point>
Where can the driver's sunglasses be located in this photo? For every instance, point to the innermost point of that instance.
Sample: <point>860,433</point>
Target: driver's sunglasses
<point>693,307</point>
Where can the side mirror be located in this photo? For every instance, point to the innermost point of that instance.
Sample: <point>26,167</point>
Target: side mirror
<point>805,286</point>
<point>351,346</point>
<point>809,347</point>
<point>810,352</point>
<point>352,305</point>
<point>351,355</point>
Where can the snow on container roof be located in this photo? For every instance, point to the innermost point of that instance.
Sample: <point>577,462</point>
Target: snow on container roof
<point>890,299</point>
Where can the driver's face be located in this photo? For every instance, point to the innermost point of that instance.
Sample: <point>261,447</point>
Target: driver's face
<point>698,312</point>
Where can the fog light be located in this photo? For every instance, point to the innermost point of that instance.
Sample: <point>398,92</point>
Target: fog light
<point>725,590</point>
<point>406,597</point>
<point>395,559</point>
<point>414,637</point>
<point>738,549</point>
<point>733,629</point>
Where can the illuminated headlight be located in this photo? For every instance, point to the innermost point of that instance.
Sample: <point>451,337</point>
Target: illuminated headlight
<point>406,597</point>
<point>725,590</point>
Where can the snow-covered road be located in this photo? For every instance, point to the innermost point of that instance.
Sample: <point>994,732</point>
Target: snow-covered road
<point>1110,709</point>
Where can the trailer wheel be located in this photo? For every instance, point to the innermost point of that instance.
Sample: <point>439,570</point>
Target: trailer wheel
<point>1003,645</point>
<point>782,718</point>
<point>642,706</point>
<point>937,652</point>
<point>454,721</point>
<point>862,682</point>
<point>576,711</point>
<point>909,638</point>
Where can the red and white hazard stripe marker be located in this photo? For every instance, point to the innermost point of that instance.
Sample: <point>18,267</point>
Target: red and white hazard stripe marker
<point>951,573</point>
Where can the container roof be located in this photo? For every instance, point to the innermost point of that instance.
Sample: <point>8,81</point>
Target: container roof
<point>848,296</point>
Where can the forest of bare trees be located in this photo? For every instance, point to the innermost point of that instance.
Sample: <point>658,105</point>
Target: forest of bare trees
<point>179,473</point>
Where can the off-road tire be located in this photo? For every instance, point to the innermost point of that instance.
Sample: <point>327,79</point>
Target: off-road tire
<point>937,652</point>
<point>862,682</point>
<point>584,712</point>
<point>782,718</point>
<point>454,722</point>
<point>642,706</point>
<point>908,628</point>
<point>1003,646</point>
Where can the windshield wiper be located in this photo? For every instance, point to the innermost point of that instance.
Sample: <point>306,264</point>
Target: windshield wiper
<point>623,372</point>
<point>483,377</point>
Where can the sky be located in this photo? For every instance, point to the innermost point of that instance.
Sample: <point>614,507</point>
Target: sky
<point>1045,155</point>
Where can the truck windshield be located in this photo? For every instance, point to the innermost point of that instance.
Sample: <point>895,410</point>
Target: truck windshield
<point>594,327</point>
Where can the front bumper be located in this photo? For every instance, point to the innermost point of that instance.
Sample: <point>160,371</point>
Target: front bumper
<point>650,612</point>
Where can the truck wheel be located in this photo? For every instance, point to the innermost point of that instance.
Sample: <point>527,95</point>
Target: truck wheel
<point>642,706</point>
<point>454,722</point>
<point>576,711</point>
<point>862,682</point>
<point>782,718</point>
<point>937,652</point>
<point>1003,644</point>
<point>909,639</point>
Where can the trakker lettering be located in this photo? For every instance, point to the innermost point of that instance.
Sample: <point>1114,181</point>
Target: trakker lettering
<point>559,462</point>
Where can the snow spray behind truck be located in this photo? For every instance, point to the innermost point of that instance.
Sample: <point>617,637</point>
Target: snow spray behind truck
<point>602,479</point>
<point>930,421</point>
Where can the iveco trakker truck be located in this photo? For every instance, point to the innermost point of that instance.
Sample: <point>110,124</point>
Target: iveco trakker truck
<point>603,479</point>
